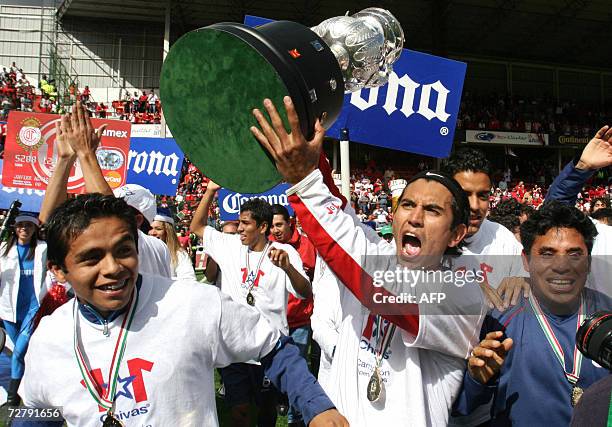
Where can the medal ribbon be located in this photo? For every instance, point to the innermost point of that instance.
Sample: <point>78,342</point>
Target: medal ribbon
<point>263,254</point>
<point>384,343</point>
<point>573,376</point>
<point>102,399</point>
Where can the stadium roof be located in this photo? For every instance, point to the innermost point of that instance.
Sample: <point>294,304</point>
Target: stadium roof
<point>555,31</point>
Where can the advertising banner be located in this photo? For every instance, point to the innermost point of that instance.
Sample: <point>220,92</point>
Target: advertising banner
<point>229,201</point>
<point>155,163</point>
<point>31,200</point>
<point>30,153</point>
<point>498,137</point>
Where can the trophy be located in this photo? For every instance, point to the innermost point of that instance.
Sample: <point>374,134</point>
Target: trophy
<point>215,76</point>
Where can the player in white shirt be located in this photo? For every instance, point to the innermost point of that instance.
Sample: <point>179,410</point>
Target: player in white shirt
<point>140,349</point>
<point>258,273</point>
<point>77,139</point>
<point>162,228</point>
<point>489,246</point>
<point>399,360</point>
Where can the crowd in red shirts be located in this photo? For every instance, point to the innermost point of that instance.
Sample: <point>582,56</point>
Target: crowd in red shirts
<point>139,109</point>
<point>16,92</point>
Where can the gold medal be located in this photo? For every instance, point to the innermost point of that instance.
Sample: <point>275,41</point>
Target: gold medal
<point>250,299</point>
<point>112,421</point>
<point>374,386</point>
<point>576,395</point>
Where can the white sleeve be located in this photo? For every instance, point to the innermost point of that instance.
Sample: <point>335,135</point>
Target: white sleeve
<point>450,322</point>
<point>327,310</point>
<point>517,269</point>
<point>31,387</point>
<point>166,264</point>
<point>184,268</point>
<point>296,261</point>
<point>219,245</point>
<point>243,334</point>
<point>348,249</point>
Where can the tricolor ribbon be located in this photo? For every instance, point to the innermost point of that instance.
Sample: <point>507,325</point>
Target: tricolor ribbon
<point>101,397</point>
<point>573,376</point>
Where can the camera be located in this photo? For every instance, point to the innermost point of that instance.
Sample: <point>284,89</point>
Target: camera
<point>594,338</point>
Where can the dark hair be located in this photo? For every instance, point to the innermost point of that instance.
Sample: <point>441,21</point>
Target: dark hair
<point>509,207</point>
<point>280,210</point>
<point>604,200</point>
<point>555,214</point>
<point>527,210</point>
<point>467,159</point>
<point>508,221</point>
<point>460,205</point>
<point>261,212</point>
<point>603,213</point>
<point>12,239</point>
<point>72,217</point>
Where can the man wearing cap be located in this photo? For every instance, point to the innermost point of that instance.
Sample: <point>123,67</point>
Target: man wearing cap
<point>76,139</point>
<point>395,362</point>
<point>387,233</point>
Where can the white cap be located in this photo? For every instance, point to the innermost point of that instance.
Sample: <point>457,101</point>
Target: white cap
<point>27,218</point>
<point>139,198</point>
<point>163,218</point>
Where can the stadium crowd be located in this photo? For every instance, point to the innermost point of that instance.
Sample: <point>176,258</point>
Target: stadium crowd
<point>285,288</point>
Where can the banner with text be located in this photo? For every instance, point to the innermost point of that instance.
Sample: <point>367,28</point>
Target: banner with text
<point>30,153</point>
<point>415,112</point>
<point>149,131</point>
<point>31,200</point>
<point>498,137</point>
<point>573,140</point>
<point>155,163</point>
<point>229,201</point>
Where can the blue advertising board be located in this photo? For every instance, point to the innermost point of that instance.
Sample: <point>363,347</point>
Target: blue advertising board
<point>416,111</point>
<point>155,163</point>
<point>30,199</point>
<point>230,201</point>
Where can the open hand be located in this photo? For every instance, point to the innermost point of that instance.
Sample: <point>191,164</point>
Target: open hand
<point>64,150</point>
<point>295,157</point>
<point>487,358</point>
<point>80,133</point>
<point>598,152</point>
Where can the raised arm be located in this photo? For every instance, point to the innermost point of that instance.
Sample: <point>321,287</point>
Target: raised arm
<point>200,217</point>
<point>84,140</point>
<point>596,155</point>
<point>56,194</point>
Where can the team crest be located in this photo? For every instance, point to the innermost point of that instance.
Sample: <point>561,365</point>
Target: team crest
<point>30,135</point>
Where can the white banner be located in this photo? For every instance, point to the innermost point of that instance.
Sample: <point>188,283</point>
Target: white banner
<point>149,131</point>
<point>497,137</point>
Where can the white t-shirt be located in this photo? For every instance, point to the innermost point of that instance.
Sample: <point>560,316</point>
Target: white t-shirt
<point>326,316</point>
<point>166,376</point>
<point>601,260</point>
<point>153,256</point>
<point>422,375</point>
<point>495,251</point>
<point>272,285</point>
<point>184,268</point>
